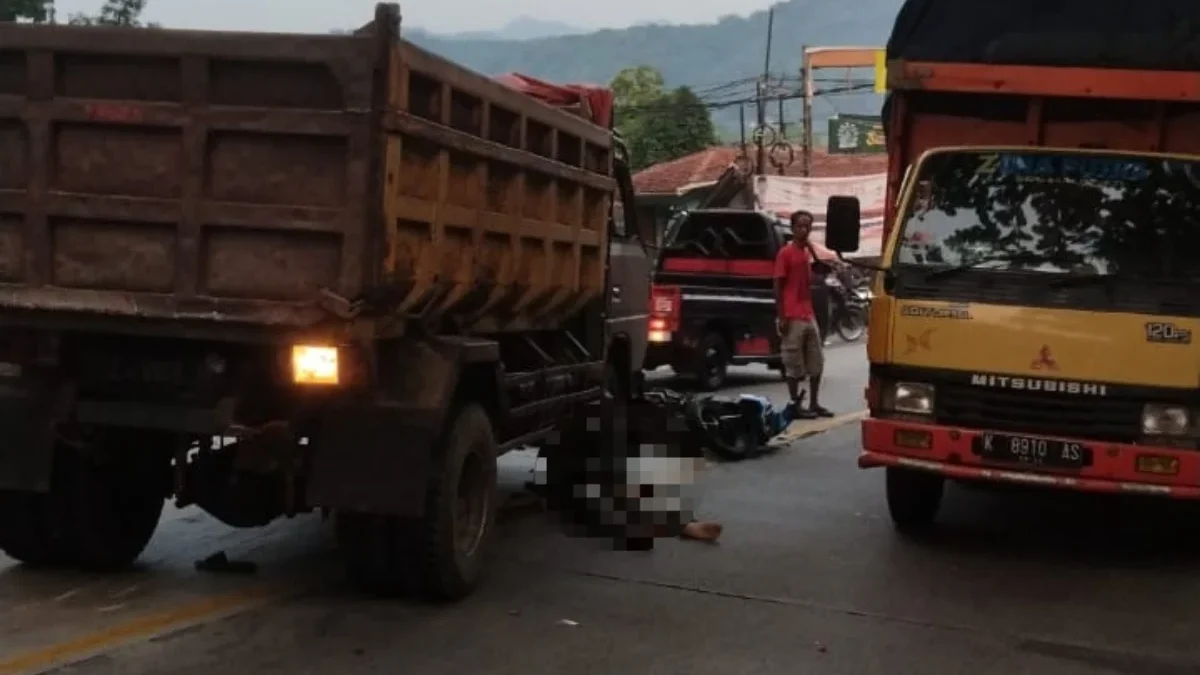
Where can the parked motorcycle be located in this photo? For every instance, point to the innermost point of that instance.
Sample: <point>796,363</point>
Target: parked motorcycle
<point>848,309</point>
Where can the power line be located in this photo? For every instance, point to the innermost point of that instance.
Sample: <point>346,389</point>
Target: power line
<point>671,106</point>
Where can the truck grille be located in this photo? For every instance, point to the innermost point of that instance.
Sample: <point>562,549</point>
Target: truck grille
<point>1094,418</point>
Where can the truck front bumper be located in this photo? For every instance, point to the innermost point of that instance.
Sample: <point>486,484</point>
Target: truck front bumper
<point>948,451</point>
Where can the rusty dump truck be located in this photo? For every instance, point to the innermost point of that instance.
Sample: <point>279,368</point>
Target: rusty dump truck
<point>365,268</point>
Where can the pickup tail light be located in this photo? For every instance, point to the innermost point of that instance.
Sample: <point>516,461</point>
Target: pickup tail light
<point>664,312</point>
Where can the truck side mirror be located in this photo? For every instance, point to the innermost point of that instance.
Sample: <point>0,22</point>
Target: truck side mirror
<point>843,224</point>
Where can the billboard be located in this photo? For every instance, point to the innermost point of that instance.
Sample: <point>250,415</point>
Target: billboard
<point>856,134</point>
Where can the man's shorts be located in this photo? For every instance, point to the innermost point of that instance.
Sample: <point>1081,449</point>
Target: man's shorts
<point>801,350</point>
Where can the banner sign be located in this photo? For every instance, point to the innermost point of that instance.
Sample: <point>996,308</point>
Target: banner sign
<point>783,195</point>
<point>856,134</point>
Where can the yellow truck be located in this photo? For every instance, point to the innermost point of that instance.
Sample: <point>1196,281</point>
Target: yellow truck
<point>1036,313</point>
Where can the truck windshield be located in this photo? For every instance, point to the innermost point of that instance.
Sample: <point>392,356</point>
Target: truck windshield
<point>1055,213</point>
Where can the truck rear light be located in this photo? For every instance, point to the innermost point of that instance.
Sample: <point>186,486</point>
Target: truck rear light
<point>664,309</point>
<point>315,365</point>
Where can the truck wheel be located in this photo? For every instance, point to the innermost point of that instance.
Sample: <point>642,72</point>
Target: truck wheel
<point>98,516</point>
<point>443,555</point>
<point>27,531</point>
<point>851,324</point>
<point>713,362</point>
<point>118,505</point>
<point>913,498</point>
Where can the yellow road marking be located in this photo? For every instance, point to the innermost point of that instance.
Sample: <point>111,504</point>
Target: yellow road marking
<point>802,429</point>
<point>137,630</point>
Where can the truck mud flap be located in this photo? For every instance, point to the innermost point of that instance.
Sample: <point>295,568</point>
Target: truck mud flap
<point>376,456</point>
<point>373,459</point>
<point>28,411</point>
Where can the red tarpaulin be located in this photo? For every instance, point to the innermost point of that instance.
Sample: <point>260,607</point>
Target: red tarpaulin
<point>599,100</point>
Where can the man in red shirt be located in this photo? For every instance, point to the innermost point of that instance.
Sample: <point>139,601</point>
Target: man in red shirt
<point>799,337</point>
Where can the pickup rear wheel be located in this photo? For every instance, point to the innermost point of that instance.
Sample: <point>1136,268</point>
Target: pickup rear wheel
<point>913,498</point>
<point>443,555</point>
<point>712,365</point>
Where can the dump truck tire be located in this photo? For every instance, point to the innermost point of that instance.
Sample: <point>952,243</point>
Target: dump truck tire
<point>442,556</point>
<point>98,516</point>
<point>27,529</point>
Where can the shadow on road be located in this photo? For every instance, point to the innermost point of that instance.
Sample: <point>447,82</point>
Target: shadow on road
<point>734,380</point>
<point>1090,530</point>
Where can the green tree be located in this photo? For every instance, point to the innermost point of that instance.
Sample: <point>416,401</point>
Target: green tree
<point>659,125</point>
<point>676,125</point>
<point>114,13</point>
<point>637,86</point>
<point>636,90</point>
<point>37,11</point>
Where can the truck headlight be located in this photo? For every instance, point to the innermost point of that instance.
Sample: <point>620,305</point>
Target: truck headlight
<point>1165,420</point>
<point>909,398</point>
<point>315,365</point>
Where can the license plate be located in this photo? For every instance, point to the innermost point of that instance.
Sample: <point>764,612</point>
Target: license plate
<point>1032,451</point>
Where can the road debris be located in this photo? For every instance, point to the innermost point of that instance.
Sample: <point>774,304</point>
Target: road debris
<point>219,563</point>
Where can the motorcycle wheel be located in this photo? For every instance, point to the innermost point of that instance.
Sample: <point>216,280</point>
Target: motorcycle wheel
<point>852,324</point>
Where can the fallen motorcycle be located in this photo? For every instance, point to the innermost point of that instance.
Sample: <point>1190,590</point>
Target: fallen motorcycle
<point>624,471</point>
<point>732,427</point>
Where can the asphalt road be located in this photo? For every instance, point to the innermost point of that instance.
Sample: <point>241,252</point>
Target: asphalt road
<point>809,578</point>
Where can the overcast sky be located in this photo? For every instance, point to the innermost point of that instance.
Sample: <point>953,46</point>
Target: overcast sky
<point>443,16</point>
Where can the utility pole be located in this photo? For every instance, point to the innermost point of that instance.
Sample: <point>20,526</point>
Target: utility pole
<point>760,132</point>
<point>742,124</point>
<point>761,91</point>
<point>783,135</point>
<point>806,76</point>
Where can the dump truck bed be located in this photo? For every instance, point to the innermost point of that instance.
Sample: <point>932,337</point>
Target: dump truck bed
<point>268,179</point>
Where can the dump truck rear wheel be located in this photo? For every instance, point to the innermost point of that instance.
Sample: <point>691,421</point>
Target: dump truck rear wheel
<point>914,498</point>
<point>99,515</point>
<point>27,529</point>
<point>115,500</point>
<point>443,555</point>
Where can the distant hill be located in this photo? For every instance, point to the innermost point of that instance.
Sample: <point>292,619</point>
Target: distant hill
<point>521,28</point>
<point>729,50</point>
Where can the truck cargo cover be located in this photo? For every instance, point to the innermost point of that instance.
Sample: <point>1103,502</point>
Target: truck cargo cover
<point>1134,34</point>
<point>598,100</point>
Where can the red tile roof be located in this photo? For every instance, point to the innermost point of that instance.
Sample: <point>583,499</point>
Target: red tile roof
<point>707,166</point>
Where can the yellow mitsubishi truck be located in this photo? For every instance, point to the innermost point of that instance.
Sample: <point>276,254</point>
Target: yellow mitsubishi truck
<point>1039,291</point>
